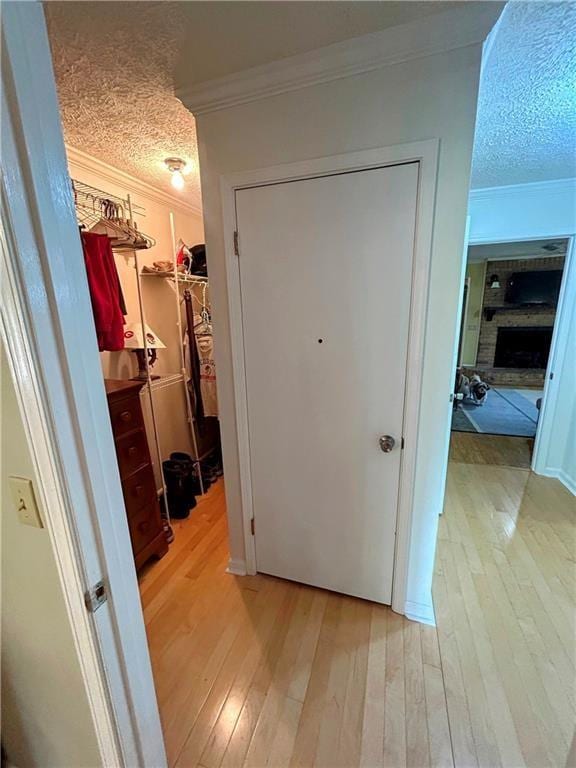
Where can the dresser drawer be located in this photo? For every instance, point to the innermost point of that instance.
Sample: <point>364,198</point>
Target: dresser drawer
<point>132,452</point>
<point>138,484</point>
<point>144,526</point>
<point>125,416</point>
<point>139,489</point>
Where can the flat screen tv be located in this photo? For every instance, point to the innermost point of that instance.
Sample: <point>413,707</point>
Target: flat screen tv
<point>541,287</point>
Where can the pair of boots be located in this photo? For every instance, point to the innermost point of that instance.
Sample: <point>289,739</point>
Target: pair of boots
<point>181,484</point>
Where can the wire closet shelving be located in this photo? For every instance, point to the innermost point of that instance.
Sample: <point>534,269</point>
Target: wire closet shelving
<point>92,205</point>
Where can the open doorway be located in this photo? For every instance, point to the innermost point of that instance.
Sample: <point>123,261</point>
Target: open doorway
<point>509,312</point>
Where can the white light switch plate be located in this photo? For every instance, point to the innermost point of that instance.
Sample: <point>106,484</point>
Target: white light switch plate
<point>24,499</point>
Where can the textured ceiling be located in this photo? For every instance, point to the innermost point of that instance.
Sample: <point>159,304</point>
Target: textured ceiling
<point>113,64</point>
<point>116,64</point>
<point>526,129</point>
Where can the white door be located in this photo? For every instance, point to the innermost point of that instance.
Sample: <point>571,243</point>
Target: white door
<point>326,274</point>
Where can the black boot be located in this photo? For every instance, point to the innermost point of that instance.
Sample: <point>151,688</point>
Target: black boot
<point>178,492</point>
<point>190,468</point>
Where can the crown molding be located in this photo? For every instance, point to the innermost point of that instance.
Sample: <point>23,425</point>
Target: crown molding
<point>131,184</point>
<point>530,189</point>
<point>455,28</point>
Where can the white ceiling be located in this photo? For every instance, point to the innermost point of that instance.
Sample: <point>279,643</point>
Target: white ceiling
<point>116,64</point>
<point>530,249</point>
<point>526,128</point>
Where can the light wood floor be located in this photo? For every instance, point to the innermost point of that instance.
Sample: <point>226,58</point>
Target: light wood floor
<point>256,671</point>
<point>501,450</point>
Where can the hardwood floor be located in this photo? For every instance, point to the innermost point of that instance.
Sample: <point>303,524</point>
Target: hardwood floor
<point>500,450</point>
<point>257,671</point>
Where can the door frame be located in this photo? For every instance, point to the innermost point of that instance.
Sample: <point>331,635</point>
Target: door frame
<point>558,348</point>
<point>425,153</point>
<point>567,297</point>
<point>48,331</point>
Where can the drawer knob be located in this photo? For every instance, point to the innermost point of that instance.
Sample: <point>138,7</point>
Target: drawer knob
<point>132,450</point>
<point>143,526</point>
<point>138,489</point>
<point>126,416</point>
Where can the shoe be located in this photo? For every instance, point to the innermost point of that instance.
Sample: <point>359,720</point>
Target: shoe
<point>178,489</point>
<point>190,468</point>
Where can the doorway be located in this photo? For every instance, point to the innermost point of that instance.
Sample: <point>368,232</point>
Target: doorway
<point>513,291</point>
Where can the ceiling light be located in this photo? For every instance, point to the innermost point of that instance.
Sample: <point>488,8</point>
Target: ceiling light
<point>177,180</point>
<point>177,168</point>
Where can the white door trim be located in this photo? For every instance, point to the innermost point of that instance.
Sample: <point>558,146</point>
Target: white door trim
<point>544,429</point>
<point>49,334</point>
<point>426,154</point>
<point>558,349</point>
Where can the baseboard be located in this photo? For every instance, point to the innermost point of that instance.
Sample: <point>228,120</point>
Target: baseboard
<point>236,567</point>
<point>567,481</point>
<point>564,477</point>
<point>421,612</point>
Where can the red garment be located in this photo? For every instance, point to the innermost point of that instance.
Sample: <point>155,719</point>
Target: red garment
<point>104,286</point>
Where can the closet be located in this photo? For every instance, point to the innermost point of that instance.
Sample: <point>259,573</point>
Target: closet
<point>150,295</point>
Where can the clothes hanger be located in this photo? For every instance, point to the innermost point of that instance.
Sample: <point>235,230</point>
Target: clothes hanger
<point>106,223</point>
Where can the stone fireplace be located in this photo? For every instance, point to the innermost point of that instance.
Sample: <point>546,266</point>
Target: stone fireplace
<point>514,341</point>
<point>523,347</point>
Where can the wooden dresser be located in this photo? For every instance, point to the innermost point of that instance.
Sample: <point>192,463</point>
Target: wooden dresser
<point>138,485</point>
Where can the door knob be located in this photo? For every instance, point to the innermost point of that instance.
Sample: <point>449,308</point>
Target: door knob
<point>387,442</point>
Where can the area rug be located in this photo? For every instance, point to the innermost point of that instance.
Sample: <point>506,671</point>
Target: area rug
<point>506,412</point>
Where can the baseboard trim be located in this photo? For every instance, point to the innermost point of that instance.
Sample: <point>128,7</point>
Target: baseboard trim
<point>236,567</point>
<point>559,474</point>
<point>420,612</point>
<point>568,482</point>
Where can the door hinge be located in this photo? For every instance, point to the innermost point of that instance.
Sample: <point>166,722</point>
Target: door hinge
<point>236,249</point>
<point>401,443</point>
<point>96,596</point>
<point>252,526</point>
<point>551,376</point>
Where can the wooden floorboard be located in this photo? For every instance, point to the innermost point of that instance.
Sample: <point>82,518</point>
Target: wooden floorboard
<point>257,671</point>
<point>476,448</point>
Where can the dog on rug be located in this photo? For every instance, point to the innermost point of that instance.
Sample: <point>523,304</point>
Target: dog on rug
<point>473,389</point>
<point>478,390</point>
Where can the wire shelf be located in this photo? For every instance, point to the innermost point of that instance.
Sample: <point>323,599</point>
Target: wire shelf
<point>181,278</point>
<point>95,207</point>
<point>86,194</point>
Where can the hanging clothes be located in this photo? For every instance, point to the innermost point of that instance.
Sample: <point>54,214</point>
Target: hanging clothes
<point>194,361</point>
<point>205,344</point>
<point>105,294</point>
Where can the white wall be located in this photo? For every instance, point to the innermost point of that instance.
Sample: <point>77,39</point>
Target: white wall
<point>523,212</point>
<point>415,100</point>
<point>46,720</point>
<point>532,212</point>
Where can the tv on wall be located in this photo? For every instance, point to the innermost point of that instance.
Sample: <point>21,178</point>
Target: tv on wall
<point>542,287</point>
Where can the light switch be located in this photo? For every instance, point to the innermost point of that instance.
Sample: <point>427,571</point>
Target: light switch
<point>24,500</point>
